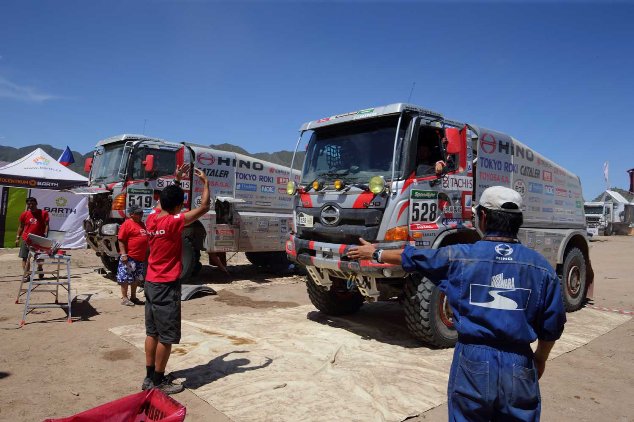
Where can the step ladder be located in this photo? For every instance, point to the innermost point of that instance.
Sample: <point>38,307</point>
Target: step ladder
<point>57,267</point>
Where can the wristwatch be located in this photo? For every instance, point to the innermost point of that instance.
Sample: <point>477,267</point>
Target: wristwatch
<point>376,255</point>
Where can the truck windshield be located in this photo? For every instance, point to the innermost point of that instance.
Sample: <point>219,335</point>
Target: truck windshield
<point>105,165</point>
<point>164,163</point>
<point>593,209</point>
<point>353,152</point>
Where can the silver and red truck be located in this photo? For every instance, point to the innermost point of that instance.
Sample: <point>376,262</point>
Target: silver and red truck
<point>251,211</point>
<point>372,174</point>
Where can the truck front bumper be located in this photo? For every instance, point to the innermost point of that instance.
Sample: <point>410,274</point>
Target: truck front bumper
<point>333,256</point>
<point>102,244</point>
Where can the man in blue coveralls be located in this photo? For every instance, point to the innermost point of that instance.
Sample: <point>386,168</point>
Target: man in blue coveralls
<point>503,296</point>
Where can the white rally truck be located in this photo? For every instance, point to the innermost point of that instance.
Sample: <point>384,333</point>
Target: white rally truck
<point>598,217</point>
<point>370,174</point>
<point>251,211</point>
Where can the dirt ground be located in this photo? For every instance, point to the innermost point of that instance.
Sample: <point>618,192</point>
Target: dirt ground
<point>50,368</point>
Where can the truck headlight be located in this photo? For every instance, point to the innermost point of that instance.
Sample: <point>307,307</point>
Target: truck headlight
<point>291,188</point>
<point>376,185</point>
<point>110,229</point>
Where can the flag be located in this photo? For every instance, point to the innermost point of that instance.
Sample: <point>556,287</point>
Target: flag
<point>605,171</point>
<point>66,158</point>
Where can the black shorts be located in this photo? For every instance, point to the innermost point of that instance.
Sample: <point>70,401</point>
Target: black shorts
<point>163,311</point>
<point>24,250</point>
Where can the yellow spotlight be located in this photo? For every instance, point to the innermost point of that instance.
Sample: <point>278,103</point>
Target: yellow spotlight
<point>291,188</point>
<point>376,185</point>
<point>396,233</point>
<point>339,184</point>
<point>316,185</point>
<point>119,202</point>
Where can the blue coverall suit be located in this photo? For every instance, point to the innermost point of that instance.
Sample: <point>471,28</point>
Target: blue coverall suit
<point>503,296</point>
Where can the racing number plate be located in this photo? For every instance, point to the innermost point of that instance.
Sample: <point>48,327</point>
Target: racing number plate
<point>305,220</point>
<point>423,206</point>
<point>140,197</point>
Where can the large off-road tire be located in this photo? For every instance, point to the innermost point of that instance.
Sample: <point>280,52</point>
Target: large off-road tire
<point>608,231</point>
<point>274,261</point>
<point>573,279</point>
<point>188,260</point>
<point>111,264</point>
<point>336,301</point>
<point>427,312</point>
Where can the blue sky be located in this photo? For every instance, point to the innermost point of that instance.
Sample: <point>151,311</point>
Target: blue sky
<point>557,76</point>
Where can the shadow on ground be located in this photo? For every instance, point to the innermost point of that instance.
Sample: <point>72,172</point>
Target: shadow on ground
<point>215,369</point>
<point>383,322</point>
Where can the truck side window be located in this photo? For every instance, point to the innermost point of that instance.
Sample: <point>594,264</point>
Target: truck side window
<point>428,151</point>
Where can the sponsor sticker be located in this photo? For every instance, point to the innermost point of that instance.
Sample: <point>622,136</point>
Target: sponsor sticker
<point>423,226</point>
<point>250,187</point>
<point>520,187</point>
<point>424,194</point>
<point>457,183</point>
<point>535,187</point>
<point>304,220</point>
<point>165,182</point>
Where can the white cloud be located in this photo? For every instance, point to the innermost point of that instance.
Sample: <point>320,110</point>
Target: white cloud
<point>30,94</point>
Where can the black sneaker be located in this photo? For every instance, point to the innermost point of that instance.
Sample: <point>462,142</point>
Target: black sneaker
<point>168,387</point>
<point>147,384</point>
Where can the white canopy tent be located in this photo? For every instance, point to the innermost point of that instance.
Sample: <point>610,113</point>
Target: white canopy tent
<point>38,170</point>
<point>46,178</point>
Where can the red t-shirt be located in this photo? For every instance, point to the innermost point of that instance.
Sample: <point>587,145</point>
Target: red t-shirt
<point>34,222</point>
<point>134,236</point>
<point>166,245</point>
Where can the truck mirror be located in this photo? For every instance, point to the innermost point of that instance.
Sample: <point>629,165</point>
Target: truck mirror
<point>88,164</point>
<point>148,163</point>
<point>454,141</point>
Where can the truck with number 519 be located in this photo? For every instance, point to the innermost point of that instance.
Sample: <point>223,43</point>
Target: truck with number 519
<point>251,212</point>
<point>372,174</point>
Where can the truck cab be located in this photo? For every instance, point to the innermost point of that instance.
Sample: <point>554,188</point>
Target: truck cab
<point>124,170</point>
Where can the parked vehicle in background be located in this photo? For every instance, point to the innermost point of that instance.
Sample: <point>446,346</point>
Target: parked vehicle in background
<point>251,213</point>
<point>371,174</point>
<point>617,215</point>
<point>598,218</point>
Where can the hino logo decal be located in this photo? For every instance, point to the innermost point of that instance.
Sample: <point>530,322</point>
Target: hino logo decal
<point>330,215</point>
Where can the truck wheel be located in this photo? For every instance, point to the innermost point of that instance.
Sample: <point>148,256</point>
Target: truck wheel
<point>427,313</point>
<point>336,301</point>
<point>110,263</point>
<point>573,280</point>
<point>188,260</point>
<point>608,230</point>
<point>275,261</point>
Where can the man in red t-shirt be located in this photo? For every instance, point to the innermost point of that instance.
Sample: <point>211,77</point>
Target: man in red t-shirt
<point>162,287</point>
<point>33,220</point>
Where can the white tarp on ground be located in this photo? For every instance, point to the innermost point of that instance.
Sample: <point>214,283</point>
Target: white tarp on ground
<point>67,213</point>
<point>297,364</point>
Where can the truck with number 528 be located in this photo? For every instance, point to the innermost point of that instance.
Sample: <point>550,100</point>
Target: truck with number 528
<point>372,174</point>
<point>251,211</point>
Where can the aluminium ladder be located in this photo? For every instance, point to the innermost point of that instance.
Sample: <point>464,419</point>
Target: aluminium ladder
<point>60,263</point>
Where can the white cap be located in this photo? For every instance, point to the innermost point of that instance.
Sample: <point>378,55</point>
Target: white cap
<point>499,198</point>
